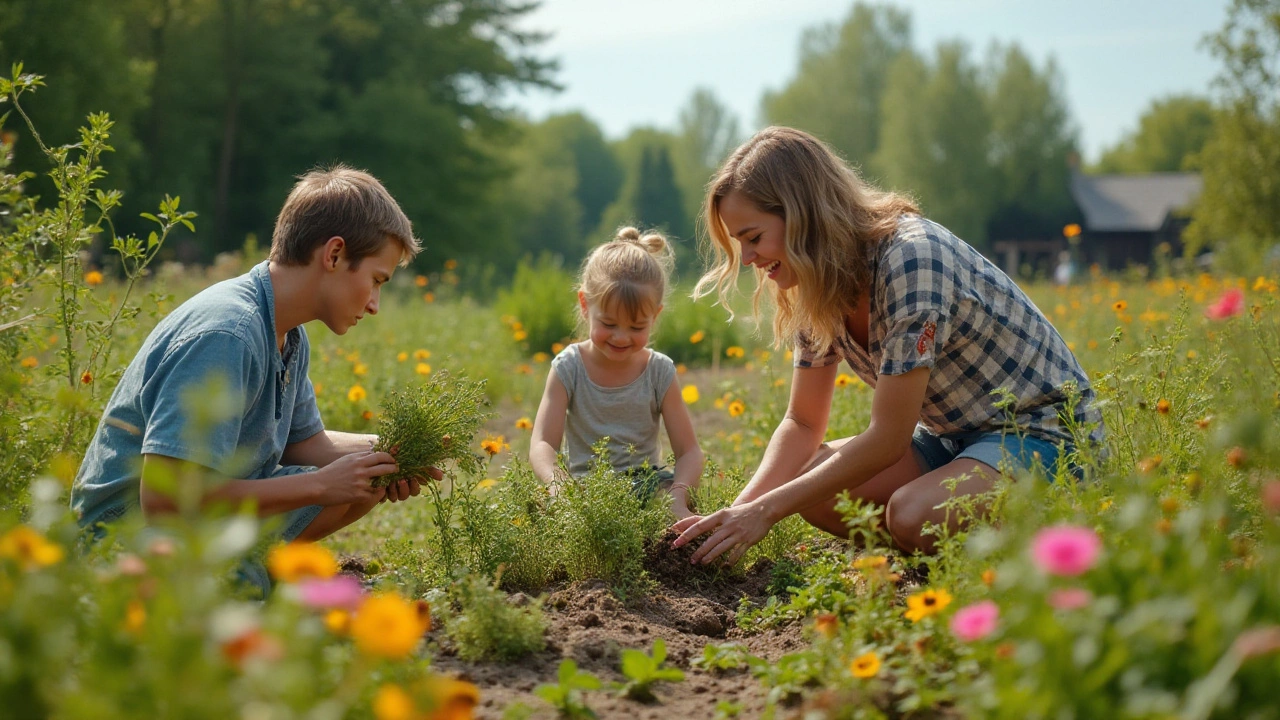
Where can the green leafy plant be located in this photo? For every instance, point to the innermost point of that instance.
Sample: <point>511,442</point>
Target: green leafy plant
<point>722,657</point>
<point>433,422</point>
<point>566,695</point>
<point>643,671</point>
<point>490,627</point>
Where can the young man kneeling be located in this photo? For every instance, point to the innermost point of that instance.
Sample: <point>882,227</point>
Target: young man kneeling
<point>337,240</point>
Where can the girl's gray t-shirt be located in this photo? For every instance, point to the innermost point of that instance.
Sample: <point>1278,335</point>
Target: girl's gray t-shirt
<point>629,415</point>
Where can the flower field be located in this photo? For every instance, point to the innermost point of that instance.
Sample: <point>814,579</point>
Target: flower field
<point>1150,590</point>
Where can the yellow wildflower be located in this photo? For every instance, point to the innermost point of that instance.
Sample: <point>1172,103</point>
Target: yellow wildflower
<point>30,362</point>
<point>356,394</point>
<point>1071,230</point>
<point>697,337</point>
<point>420,354</point>
<point>556,348</point>
<point>402,356</point>
<point>135,616</point>
<point>387,626</point>
<point>681,368</point>
<point>524,369</point>
<point>86,377</point>
<point>29,548</point>
<point>486,483</point>
<point>541,357</point>
<point>690,394</point>
<point>360,369</point>
<point>844,380</point>
<point>870,562</point>
<point>524,423</point>
<point>391,702</point>
<point>337,621</point>
<point>422,368</point>
<point>93,277</point>
<point>454,699</point>
<point>734,351</point>
<point>1119,306</point>
<point>736,408</point>
<point>923,604</point>
<point>291,562</point>
<point>520,335</point>
<point>864,666</point>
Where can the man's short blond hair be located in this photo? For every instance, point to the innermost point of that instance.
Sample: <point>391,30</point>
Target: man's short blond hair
<point>344,202</point>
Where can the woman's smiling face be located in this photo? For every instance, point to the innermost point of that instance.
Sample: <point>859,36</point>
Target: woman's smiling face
<point>761,237</point>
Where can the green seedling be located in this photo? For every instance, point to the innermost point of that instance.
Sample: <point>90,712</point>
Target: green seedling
<point>643,671</point>
<point>566,695</point>
<point>719,658</point>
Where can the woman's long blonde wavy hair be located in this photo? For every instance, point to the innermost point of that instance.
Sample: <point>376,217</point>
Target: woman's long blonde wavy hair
<point>834,221</point>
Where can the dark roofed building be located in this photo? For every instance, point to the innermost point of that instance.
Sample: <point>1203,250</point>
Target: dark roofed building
<point>1123,218</point>
<point>1127,216</point>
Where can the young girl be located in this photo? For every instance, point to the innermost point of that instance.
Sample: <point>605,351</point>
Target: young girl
<point>612,384</point>
<point>856,274</point>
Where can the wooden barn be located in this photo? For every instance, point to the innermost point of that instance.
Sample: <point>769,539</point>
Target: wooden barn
<point>1122,217</point>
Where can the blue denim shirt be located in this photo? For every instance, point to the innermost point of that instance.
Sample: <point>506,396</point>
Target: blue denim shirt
<point>209,386</point>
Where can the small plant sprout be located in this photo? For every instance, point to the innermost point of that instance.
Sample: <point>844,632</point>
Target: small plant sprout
<point>566,695</point>
<point>643,671</point>
<point>431,423</point>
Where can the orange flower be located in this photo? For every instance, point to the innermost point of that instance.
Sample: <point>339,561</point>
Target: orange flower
<point>1236,457</point>
<point>93,277</point>
<point>356,394</point>
<point>988,577</point>
<point>86,377</point>
<point>736,408</point>
<point>1162,406</point>
<point>135,616</point>
<point>1072,230</point>
<point>520,335</point>
<point>1119,306</point>
<point>734,351</point>
<point>697,337</point>
<point>30,362</point>
<point>429,297</point>
<point>291,562</point>
<point>827,625</point>
<point>541,357</point>
<point>524,423</point>
<point>367,415</point>
<point>556,348</point>
<point>494,444</point>
<point>387,626</point>
<point>420,281</point>
<point>450,264</point>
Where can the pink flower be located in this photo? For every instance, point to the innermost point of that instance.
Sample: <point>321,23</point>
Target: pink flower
<point>340,591</point>
<point>1070,598</point>
<point>1066,549</point>
<point>976,621</point>
<point>1230,304</point>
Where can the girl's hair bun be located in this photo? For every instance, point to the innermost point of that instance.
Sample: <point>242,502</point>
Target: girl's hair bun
<point>652,242</point>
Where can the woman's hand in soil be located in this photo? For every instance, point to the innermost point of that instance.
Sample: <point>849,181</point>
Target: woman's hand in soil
<point>733,531</point>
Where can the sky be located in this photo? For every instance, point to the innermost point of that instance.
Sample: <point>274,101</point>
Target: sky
<point>634,63</point>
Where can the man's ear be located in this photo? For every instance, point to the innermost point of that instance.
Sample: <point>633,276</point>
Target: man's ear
<point>332,252</point>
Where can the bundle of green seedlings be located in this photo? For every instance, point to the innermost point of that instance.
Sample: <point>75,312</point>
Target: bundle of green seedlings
<point>431,423</point>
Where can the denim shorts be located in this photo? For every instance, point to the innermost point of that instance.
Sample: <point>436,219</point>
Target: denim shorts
<point>990,448</point>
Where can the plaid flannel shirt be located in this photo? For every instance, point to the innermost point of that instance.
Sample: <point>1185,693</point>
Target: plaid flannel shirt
<point>938,303</point>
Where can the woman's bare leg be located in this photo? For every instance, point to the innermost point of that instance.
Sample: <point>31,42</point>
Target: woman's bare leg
<point>878,489</point>
<point>915,503</point>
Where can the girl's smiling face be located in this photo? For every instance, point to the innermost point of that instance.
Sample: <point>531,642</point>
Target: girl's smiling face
<point>614,332</point>
<point>761,237</point>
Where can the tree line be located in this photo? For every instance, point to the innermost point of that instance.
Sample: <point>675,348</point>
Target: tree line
<point>224,101</point>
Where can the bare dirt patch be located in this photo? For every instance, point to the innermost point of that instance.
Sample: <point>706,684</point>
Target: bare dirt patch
<point>689,607</point>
